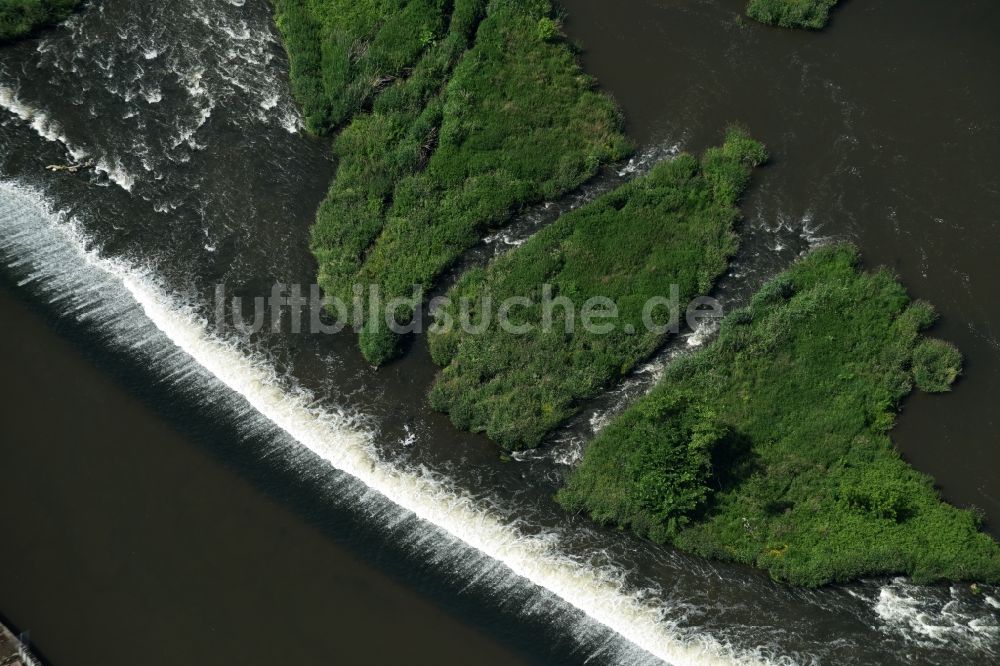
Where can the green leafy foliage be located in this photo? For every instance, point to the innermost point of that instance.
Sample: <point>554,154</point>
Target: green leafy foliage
<point>375,152</point>
<point>659,483</point>
<point>672,227</point>
<point>343,52</point>
<point>19,18</point>
<point>463,130</point>
<point>811,14</point>
<point>936,366</point>
<point>548,29</point>
<point>806,381</point>
<point>377,342</point>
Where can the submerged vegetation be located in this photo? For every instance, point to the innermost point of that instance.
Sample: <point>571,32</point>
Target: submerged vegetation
<point>19,18</point>
<point>771,447</point>
<point>811,14</point>
<point>459,114</point>
<point>671,227</point>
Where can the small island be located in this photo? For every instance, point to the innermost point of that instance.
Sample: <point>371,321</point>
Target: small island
<point>771,446</point>
<point>811,14</point>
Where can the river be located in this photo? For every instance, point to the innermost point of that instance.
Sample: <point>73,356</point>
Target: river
<point>246,499</point>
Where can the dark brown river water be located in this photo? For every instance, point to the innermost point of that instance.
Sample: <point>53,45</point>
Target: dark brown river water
<point>138,547</point>
<point>178,493</point>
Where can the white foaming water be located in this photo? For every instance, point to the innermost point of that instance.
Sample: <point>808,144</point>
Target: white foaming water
<point>129,302</point>
<point>225,59</point>
<point>787,231</point>
<point>153,96</point>
<point>116,173</point>
<point>811,232</point>
<point>51,131</point>
<point>961,619</point>
<point>704,331</point>
<point>45,127</point>
<point>649,157</point>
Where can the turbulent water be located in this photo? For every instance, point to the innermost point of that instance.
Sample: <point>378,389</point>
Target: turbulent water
<point>199,175</point>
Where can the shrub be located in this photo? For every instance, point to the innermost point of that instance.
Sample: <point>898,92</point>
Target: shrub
<point>775,291</point>
<point>378,343</point>
<point>936,366</point>
<point>792,13</point>
<point>664,455</point>
<point>548,29</point>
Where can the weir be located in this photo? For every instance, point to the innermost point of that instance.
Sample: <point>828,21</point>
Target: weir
<point>49,254</point>
<point>12,651</point>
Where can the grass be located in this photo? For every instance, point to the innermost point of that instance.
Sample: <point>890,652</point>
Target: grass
<point>448,135</point>
<point>671,227</point>
<point>19,18</point>
<point>812,14</point>
<point>805,482</point>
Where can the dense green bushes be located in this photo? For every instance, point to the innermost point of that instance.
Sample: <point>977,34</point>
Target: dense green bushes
<point>343,52</point>
<point>806,482</point>
<point>792,13</point>
<point>19,18</point>
<point>380,149</point>
<point>936,365</point>
<point>672,227</point>
<point>486,112</point>
<point>660,484</point>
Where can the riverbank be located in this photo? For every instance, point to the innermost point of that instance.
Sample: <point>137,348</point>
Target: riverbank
<point>20,18</point>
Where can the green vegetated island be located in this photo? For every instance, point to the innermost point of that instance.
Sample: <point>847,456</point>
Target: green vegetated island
<point>812,14</point>
<point>769,447</point>
<point>671,227</point>
<point>19,18</point>
<point>454,115</point>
